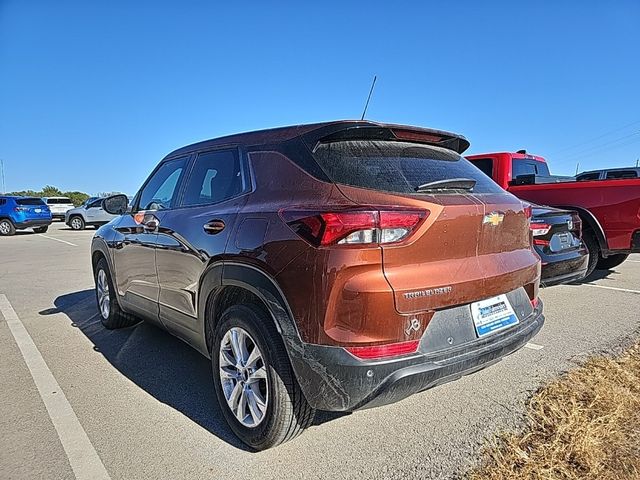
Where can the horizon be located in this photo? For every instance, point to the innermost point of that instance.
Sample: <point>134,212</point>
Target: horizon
<point>98,94</point>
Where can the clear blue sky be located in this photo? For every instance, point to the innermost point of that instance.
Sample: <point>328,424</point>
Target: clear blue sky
<point>93,94</point>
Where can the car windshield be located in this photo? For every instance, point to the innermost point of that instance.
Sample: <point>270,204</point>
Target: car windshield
<point>400,167</point>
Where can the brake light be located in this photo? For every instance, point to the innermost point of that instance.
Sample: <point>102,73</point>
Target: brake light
<point>534,302</point>
<point>354,227</point>
<point>528,211</point>
<point>20,209</point>
<point>539,229</point>
<point>416,136</point>
<point>384,351</point>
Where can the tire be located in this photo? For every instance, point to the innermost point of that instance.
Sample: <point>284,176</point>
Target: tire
<point>7,228</point>
<point>111,315</point>
<point>76,222</point>
<point>591,242</point>
<point>41,229</point>
<point>287,412</point>
<point>611,261</point>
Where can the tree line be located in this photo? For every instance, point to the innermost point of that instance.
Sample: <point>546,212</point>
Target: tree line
<point>78,198</point>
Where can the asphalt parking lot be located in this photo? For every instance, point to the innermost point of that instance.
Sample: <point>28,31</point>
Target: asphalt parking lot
<point>147,406</point>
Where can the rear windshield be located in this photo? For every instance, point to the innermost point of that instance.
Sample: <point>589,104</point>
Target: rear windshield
<point>54,201</point>
<point>529,167</point>
<point>29,201</point>
<point>398,167</point>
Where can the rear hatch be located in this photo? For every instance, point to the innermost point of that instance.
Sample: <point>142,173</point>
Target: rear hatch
<point>32,208</point>
<point>474,242</point>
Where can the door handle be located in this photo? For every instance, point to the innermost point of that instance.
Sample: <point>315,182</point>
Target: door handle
<point>213,227</point>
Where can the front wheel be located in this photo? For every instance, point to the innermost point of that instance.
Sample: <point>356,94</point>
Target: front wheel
<point>6,228</point>
<point>611,261</point>
<point>254,382</point>
<point>76,223</point>
<point>111,315</point>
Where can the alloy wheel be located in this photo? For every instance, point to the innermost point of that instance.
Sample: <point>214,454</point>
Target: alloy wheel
<point>5,228</point>
<point>243,376</point>
<point>76,224</point>
<point>102,288</point>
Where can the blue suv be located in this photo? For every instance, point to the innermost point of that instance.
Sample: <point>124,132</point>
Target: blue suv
<point>17,213</point>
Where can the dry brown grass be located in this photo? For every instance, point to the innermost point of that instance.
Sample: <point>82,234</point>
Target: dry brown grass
<point>584,425</point>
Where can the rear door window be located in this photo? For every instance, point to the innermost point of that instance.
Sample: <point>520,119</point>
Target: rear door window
<point>215,177</point>
<point>622,174</point>
<point>585,177</point>
<point>399,167</point>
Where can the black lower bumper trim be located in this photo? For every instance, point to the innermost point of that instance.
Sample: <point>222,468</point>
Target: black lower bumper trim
<point>334,380</point>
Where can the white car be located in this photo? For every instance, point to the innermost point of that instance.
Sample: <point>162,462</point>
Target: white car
<point>59,206</point>
<point>89,214</point>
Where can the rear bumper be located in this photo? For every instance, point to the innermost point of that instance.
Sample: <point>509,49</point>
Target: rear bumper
<point>38,222</point>
<point>569,268</point>
<point>334,380</point>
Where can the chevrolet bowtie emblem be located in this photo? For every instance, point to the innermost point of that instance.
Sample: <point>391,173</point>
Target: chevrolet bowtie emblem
<point>493,218</point>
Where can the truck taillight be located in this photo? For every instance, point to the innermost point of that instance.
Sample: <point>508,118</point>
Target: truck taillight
<point>365,226</point>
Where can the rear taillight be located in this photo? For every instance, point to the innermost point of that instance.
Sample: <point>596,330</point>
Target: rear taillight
<point>534,302</point>
<point>528,211</point>
<point>375,352</point>
<point>354,226</point>
<point>539,229</point>
<point>20,209</point>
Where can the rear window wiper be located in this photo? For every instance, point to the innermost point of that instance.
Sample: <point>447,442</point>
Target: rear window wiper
<point>447,184</point>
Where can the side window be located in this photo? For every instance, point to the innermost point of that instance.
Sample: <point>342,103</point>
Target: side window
<point>161,189</point>
<point>622,174</point>
<point>588,176</point>
<point>484,164</point>
<point>216,176</point>
<point>2,201</point>
<point>96,203</point>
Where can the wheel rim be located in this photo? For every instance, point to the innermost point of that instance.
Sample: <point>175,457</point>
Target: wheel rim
<point>76,224</point>
<point>4,228</point>
<point>102,287</point>
<point>243,376</point>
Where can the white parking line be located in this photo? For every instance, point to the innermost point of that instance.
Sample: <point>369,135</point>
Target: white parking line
<point>57,240</point>
<point>612,288</point>
<point>83,458</point>
<point>533,346</point>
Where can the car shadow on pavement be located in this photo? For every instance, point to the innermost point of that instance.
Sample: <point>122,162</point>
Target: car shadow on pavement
<point>164,366</point>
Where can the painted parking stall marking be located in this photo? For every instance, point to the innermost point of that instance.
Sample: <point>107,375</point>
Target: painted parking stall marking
<point>83,458</point>
<point>57,239</point>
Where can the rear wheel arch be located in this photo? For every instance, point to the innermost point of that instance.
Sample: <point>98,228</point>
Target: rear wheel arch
<point>237,283</point>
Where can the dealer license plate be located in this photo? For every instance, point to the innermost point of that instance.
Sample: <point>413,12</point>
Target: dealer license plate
<point>492,315</point>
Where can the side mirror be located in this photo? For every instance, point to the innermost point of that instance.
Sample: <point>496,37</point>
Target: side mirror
<point>116,204</point>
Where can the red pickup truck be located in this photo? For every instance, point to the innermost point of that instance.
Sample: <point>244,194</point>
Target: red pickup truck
<point>609,209</point>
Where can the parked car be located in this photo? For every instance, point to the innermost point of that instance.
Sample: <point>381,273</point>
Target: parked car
<point>557,240</point>
<point>91,214</point>
<point>608,208</point>
<point>59,206</point>
<point>333,266</point>
<point>609,174</point>
<point>18,213</point>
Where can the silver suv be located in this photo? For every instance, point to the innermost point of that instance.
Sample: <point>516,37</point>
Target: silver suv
<point>89,214</point>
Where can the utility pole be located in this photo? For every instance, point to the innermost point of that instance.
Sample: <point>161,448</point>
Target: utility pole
<point>637,162</point>
<point>577,167</point>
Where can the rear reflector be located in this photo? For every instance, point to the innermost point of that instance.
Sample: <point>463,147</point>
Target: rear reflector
<point>384,351</point>
<point>353,226</point>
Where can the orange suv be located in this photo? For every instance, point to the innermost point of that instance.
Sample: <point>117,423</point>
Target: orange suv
<point>333,266</point>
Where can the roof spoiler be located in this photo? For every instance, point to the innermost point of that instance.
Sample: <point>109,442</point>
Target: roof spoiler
<point>374,131</point>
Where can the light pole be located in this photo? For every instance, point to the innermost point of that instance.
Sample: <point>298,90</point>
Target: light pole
<point>2,174</point>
